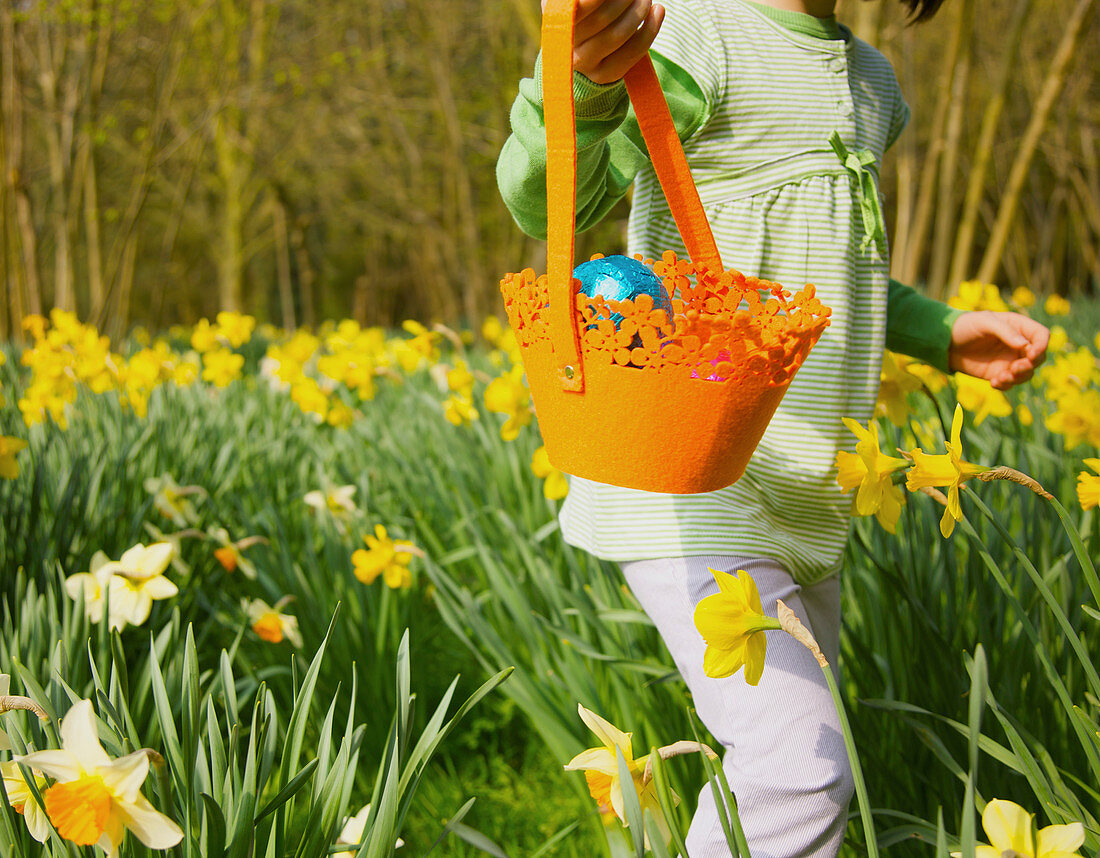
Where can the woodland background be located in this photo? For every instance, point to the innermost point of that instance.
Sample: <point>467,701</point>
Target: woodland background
<point>308,159</point>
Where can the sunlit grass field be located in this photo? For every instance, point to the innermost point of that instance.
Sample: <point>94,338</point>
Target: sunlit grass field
<point>301,556</point>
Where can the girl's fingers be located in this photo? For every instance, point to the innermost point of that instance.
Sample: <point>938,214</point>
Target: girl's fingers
<point>606,58</point>
<point>592,16</point>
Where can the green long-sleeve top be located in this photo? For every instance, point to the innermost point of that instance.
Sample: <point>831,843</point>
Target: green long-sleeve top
<point>755,94</point>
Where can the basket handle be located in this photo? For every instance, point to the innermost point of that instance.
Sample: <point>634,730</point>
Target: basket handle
<point>665,151</point>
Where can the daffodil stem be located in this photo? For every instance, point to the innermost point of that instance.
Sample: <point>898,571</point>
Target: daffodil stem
<point>853,759</point>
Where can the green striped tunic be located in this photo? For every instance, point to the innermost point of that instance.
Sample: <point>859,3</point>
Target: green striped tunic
<point>756,94</point>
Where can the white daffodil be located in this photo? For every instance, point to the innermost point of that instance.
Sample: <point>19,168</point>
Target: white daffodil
<point>171,499</point>
<point>95,799</point>
<point>130,584</point>
<point>137,579</point>
<point>336,501</point>
<point>93,584</point>
<point>352,834</point>
<point>22,800</point>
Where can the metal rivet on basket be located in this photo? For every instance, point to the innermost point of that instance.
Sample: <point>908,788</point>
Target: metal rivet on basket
<point>568,371</point>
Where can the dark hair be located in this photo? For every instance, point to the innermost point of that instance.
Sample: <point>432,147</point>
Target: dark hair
<point>922,10</point>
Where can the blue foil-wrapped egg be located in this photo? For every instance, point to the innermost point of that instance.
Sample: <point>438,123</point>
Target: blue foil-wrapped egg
<point>618,278</point>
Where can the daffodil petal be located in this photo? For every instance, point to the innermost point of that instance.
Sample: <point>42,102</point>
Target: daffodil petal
<point>947,524</point>
<point>609,734</point>
<point>155,559</point>
<point>1007,825</point>
<point>752,595</point>
<point>719,663</point>
<point>755,648</point>
<point>148,824</point>
<point>124,776</point>
<point>596,759</point>
<point>59,765</point>
<point>159,588</point>
<point>1060,839</point>
<point>79,737</point>
<point>956,427</point>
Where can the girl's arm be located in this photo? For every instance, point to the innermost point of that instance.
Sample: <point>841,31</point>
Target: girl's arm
<point>610,36</point>
<point>1003,348</point>
<point>610,149</point>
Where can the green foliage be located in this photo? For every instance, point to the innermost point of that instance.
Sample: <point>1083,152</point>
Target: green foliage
<point>967,664</point>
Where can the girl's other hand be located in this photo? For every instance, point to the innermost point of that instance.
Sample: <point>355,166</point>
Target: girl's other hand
<point>1003,348</point>
<point>610,36</point>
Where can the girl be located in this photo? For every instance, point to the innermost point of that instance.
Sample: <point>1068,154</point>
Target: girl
<point>784,116</point>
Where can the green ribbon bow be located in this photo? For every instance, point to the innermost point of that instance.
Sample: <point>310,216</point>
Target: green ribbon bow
<point>860,164</point>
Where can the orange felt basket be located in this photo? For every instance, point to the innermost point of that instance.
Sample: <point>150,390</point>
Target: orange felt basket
<point>665,405</point>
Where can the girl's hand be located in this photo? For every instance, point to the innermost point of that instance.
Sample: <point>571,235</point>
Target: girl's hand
<point>1003,348</point>
<point>610,36</point>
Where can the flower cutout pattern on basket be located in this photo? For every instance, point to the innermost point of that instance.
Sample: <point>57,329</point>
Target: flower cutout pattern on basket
<point>724,326</point>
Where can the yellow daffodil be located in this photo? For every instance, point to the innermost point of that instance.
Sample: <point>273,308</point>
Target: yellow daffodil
<point>1009,829</point>
<point>732,622</point>
<point>308,395</point>
<point>1059,340</point>
<point>601,768</point>
<point>460,379</point>
<point>948,470</point>
<point>386,557</point>
<point>186,371</point>
<point>492,330</point>
<point>9,468</point>
<point>459,410</point>
<point>555,486</point>
<point>873,473</point>
<point>235,328</point>
<point>351,834</point>
<point>508,394</point>
<point>221,366</point>
<point>94,799</point>
<point>1022,297</point>
<point>270,623</point>
<point>1056,305</point>
<point>204,337</point>
<point>1024,415</point>
<point>339,416</point>
<point>22,800</point>
<point>978,397</point>
<point>973,295</point>
<point>896,382</point>
<point>1077,418</point>
<point>1088,486</point>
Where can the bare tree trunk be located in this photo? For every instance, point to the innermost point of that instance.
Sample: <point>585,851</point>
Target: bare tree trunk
<point>464,217</point>
<point>306,274</point>
<point>983,151</point>
<point>26,297</point>
<point>1052,86</point>
<point>949,167</point>
<point>282,265</point>
<point>926,189</point>
<point>58,125</point>
<point>230,258</point>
